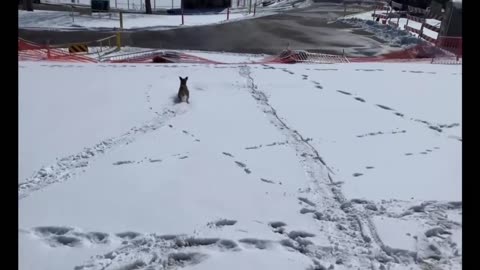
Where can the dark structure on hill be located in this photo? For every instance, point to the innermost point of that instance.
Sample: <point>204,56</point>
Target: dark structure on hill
<point>206,4</point>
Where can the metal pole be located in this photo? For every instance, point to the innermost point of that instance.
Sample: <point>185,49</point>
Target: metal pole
<point>172,4</point>
<point>128,4</point>
<point>121,20</point>
<point>255,8</point>
<point>181,3</point>
<point>228,13</point>
<point>249,6</point>
<point>116,4</point>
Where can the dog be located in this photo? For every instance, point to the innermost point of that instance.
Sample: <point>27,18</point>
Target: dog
<point>183,93</point>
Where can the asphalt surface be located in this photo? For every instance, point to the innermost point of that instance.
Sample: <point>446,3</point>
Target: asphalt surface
<point>312,29</point>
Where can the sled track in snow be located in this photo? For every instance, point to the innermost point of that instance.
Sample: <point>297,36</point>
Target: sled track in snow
<point>67,167</point>
<point>327,195</point>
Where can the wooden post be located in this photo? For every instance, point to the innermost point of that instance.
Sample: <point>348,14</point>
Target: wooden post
<point>228,13</point>
<point>255,8</point>
<point>119,40</point>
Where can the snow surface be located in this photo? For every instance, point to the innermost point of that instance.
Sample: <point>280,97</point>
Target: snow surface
<point>259,171</point>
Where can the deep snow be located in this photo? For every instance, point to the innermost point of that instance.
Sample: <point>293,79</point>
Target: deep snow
<point>270,166</point>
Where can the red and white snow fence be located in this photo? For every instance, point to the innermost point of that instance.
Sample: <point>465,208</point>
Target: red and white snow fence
<point>30,51</point>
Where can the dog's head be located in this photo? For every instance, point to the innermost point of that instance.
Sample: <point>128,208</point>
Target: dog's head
<point>183,81</point>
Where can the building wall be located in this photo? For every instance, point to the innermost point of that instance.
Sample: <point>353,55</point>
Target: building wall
<point>452,23</point>
<point>195,4</point>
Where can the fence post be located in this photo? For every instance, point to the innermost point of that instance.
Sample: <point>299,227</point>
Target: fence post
<point>121,20</point>
<point>228,13</point>
<point>72,13</point>
<point>119,40</point>
<point>48,49</point>
<point>255,8</point>
<point>460,51</point>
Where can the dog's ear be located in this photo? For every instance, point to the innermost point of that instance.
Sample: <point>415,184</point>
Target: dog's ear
<point>180,78</point>
<point>186,78</point>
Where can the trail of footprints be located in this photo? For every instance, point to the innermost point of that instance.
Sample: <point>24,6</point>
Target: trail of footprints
<point>156,159</point>
<point>142,250</point>
<point>424,152</point>
<point>381,133</point>
<point>244,166</point>
<point>153,250</point>
<point>436,127</point>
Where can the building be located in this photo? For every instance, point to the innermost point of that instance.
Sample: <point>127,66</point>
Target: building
<point>206,4</point>
<point>452,20</point>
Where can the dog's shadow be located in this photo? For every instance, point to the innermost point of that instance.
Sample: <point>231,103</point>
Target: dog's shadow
<point>175,99</point>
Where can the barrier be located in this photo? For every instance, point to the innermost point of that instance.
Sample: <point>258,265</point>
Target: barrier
<point>78,48</point>
<point>431,27</point>
<point>156,56</point>
<point>417,10</point>
<point>293,56</point>
<point>451,44</point>
<point>29,51</point>
<point>381,16</point>
<point>385,8</point>
<point>447,61</point>
<point>411,29</point>
<point>394,24</point>
<point>447,50</point>
<point>427,38</point>
<point>418,53</point>
<point>416,19</point>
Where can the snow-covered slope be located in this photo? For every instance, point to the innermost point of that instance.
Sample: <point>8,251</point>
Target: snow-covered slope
<point>268,167</point>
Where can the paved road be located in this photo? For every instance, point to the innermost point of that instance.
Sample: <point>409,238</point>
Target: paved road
<point>308,28</point>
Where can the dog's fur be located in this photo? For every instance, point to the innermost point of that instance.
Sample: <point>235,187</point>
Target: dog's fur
<point>183,93</point>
